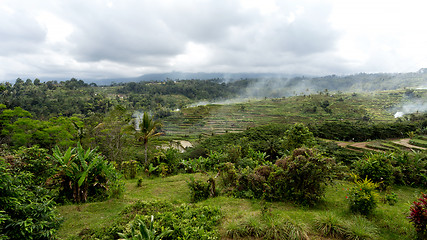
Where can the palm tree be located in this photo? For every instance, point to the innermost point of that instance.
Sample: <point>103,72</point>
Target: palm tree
<point>146,126</point>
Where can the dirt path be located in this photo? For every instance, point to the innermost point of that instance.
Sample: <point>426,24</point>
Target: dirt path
<point>405,142</point>
<point>359,145</point>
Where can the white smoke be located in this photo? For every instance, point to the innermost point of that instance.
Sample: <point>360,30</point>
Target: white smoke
<point>418,105</point>
<point>137,119</point>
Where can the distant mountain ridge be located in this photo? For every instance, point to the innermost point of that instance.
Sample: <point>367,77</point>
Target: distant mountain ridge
<point>191,75</point>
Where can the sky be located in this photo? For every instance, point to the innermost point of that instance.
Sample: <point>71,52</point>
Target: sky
<point>95,39</point>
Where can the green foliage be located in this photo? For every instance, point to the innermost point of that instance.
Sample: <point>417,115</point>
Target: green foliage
<point>418,216</point>
<point>144,232</point>
<point>410,168</point>
<point>145,128</point>
<point>362,197</point>
<point>182,221</point>
<point>377,167</point>
<point>266,229</point>
<point>170,160</point>
<point>33,160</point>
<point>201,190</point>
<point>390,199</point>
<point>228,176</point>
<point>331,226</point>
<point>129,169</point>
<point>108,132</point>
<point>305,176</point>
<point>83,174</point>
<point>301,177</point>
<point>18,128</point>
<point>47,99</point>
<point>260,139</point>
<point>356,131</point>
<point>26,211</point>
<point>298,136</point>
<point>335,227</point>
<point>139,182</point>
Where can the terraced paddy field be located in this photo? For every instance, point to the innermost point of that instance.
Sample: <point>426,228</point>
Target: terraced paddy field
<point>384,145</point>
<point>210,119</point>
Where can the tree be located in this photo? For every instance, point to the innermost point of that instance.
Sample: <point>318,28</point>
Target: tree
<point>298,136</point>
<point>146,129</point>
<point>110,135</point>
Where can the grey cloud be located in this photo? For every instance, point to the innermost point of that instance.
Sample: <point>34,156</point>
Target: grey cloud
<point>131,30</point>
<point>144,36</point>
<point>273,43</point>
<point>19,33</point>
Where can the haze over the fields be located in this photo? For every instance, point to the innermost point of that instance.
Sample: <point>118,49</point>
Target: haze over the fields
<point>128,38</point>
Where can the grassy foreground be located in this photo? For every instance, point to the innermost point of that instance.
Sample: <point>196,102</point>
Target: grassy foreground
<point>387,222</point>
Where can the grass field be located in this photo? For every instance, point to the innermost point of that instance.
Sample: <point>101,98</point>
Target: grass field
<point>387,222</point>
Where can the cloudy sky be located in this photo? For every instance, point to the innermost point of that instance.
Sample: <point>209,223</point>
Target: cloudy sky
<point>90,39</point>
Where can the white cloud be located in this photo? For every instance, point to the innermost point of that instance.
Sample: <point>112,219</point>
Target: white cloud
<point>103,38</point>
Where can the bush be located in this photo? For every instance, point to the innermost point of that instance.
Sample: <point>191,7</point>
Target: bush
<point>34,160</point>
<point>228,176</point>
<point>129,169</point>
<point>201,190</point>
<point>362,197</point>
<point>26,211</point>
<point>305,176</point>
<point>410,168</point>
<point>168,161</point>
<point>377,167</point>
<point>301,177</point>
<point>298,136</point>
<point>185,221</point>
<point>390,199</point>
<point>418,216</point>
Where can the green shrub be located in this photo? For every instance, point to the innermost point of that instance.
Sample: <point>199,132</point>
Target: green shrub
<point>26,211</point>
<point>129,168</point>
<point>391,199</point>
<point>362,197</point>
<point>228,176</point>
<point>410,168</point>
<point>201,190</point>
<point>185,221</point>
<point>418,216</point>
<point>301,177</point>
<point>169,160</point>
<point>298,136</point>
<point>377,167</point>
<point>140,231</point>
<point>34,160</point>
<point>139,182</point>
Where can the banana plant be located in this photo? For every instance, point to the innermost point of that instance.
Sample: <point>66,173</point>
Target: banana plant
<point>75,166</point>
<point>144,232</point>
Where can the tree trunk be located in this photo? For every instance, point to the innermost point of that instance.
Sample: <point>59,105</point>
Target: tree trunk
<point>146,156</point>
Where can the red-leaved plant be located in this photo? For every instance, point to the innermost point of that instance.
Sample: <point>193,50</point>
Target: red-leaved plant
<point>418,216</point>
